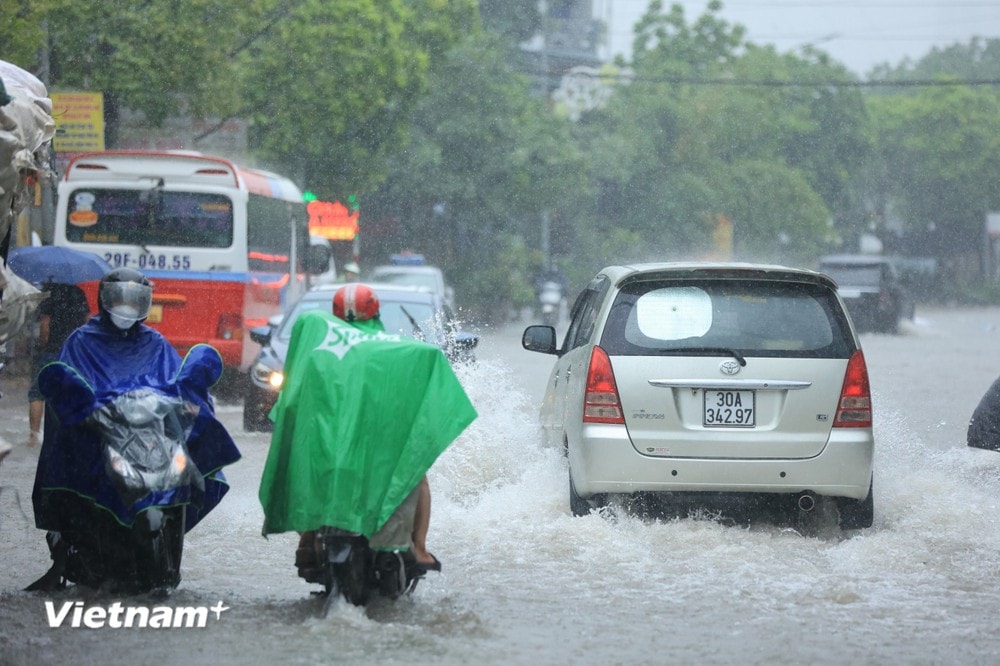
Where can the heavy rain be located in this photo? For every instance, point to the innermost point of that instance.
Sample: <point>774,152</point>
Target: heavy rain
<point>512,145</point>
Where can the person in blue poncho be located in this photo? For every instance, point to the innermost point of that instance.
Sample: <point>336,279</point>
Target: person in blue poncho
<point>115,352</point>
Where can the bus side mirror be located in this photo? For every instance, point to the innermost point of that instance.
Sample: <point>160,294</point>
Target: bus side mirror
<point>317,259</point>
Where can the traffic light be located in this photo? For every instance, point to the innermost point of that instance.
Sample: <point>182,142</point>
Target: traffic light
<point>308,196</point>
<point>352,202</point>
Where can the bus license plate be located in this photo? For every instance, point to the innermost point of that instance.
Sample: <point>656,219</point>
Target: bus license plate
<point>730,408</point>
<point>155,314</point>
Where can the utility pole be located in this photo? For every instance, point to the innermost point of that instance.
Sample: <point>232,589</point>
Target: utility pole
<point>46,226</point>
<point>545,230</point>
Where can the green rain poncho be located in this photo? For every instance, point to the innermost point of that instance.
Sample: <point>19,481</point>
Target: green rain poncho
<point>360,419</point>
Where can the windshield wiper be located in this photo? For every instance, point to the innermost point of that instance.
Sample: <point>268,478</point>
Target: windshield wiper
<point>417,331</point>
<point>725,351</point>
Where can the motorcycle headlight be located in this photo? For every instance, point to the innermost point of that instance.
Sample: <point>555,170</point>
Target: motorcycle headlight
<point>178,463</point>
<point>126,474</point>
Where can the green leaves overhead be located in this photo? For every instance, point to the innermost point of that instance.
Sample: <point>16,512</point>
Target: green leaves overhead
<point>21,30</point>
<point>941,146</point>
<point>331,88</point>
<point>160,58</point>
<point>415,107</point>
<point>702,133</point>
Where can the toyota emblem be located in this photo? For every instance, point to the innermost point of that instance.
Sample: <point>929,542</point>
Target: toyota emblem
<point>729,367</point>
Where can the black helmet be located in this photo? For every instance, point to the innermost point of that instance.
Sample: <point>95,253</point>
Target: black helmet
<point>124,297</point>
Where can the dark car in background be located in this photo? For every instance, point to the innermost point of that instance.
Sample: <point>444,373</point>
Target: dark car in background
<point>872,290</point>
<point>412,311</point>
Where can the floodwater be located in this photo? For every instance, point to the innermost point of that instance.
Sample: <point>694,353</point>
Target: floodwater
<point>523,581</point>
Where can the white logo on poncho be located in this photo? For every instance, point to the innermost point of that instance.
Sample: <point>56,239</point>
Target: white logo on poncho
<point>340,339</point>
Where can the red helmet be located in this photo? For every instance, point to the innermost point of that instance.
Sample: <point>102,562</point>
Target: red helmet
<point>355,302</point>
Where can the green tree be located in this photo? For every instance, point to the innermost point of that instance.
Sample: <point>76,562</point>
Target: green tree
<point>158,58</point>
<point>332,85</point>
<point>941,146</point>
<point>21,31</point>
<point>979,59</point>
<point>482,163</point>
<point>696,137</point>
<point>513,20</point>
<point>328,85</point>
<point>799,111</point>
<point>666,45</point>
<point>713,126</point>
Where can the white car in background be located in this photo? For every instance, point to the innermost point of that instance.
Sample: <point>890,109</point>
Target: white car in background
<point>415,274</point>
<point>683,384</point>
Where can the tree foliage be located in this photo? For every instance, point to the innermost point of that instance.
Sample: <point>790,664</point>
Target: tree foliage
<point>513,20</point>
<point>942,147</point>
<point>159,58</point>
<point>412,106</point>
<point>977,60</point>
<point>328,85</point>
<point>21,30</point>
<point>935,179</point>
<point>701,136</point>
<point>482,163</point>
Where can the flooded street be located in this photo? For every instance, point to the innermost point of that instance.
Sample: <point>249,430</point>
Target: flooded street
<point>523,581</point>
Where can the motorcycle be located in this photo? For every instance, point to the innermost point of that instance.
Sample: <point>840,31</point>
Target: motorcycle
<point>134,486</point>
<point>360,419</point>
<point>550,297</point>
<point>360,569</point>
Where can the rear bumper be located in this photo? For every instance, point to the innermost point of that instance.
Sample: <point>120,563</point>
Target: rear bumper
<point>606,462</point>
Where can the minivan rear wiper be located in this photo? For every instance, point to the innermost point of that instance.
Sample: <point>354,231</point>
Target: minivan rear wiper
<point>726,351</point>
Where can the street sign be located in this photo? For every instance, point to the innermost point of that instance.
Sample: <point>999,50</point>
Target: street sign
<point>79,118</point>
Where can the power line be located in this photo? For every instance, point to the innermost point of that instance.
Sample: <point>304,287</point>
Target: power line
<point>863,4</point>
<point>785,83</point>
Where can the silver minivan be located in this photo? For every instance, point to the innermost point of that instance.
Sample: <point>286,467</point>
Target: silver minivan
<point>694,381</point>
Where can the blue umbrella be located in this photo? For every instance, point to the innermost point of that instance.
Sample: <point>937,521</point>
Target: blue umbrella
<point>49,263</point>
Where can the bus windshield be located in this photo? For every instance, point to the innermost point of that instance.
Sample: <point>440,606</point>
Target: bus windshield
<point>149,217</point>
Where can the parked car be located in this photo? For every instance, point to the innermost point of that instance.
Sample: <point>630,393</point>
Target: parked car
<point>411,270</point>
<point>686,384</point>
<point>872,290</point>
<point>407,310</point>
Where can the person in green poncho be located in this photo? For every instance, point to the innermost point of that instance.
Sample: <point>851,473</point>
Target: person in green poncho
<point>359,421</point>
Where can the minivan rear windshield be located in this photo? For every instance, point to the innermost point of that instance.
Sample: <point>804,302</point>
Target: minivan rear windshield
<point>753,317</point>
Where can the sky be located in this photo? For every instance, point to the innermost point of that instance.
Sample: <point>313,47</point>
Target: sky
<point>858,33</point>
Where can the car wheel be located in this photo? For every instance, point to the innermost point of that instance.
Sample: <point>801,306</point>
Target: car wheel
<point>857,514</point>
<point>577,505</point>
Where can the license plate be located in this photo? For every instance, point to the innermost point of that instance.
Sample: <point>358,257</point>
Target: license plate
<point>155,314</point>
<point>735,409</point>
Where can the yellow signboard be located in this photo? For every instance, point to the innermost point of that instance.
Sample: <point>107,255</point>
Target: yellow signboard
<point>79,120</point>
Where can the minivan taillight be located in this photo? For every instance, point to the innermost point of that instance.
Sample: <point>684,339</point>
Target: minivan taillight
<point>600,402</point>
<point>855,408</point>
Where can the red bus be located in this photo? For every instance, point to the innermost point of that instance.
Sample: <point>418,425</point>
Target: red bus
<point>216,239</point>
